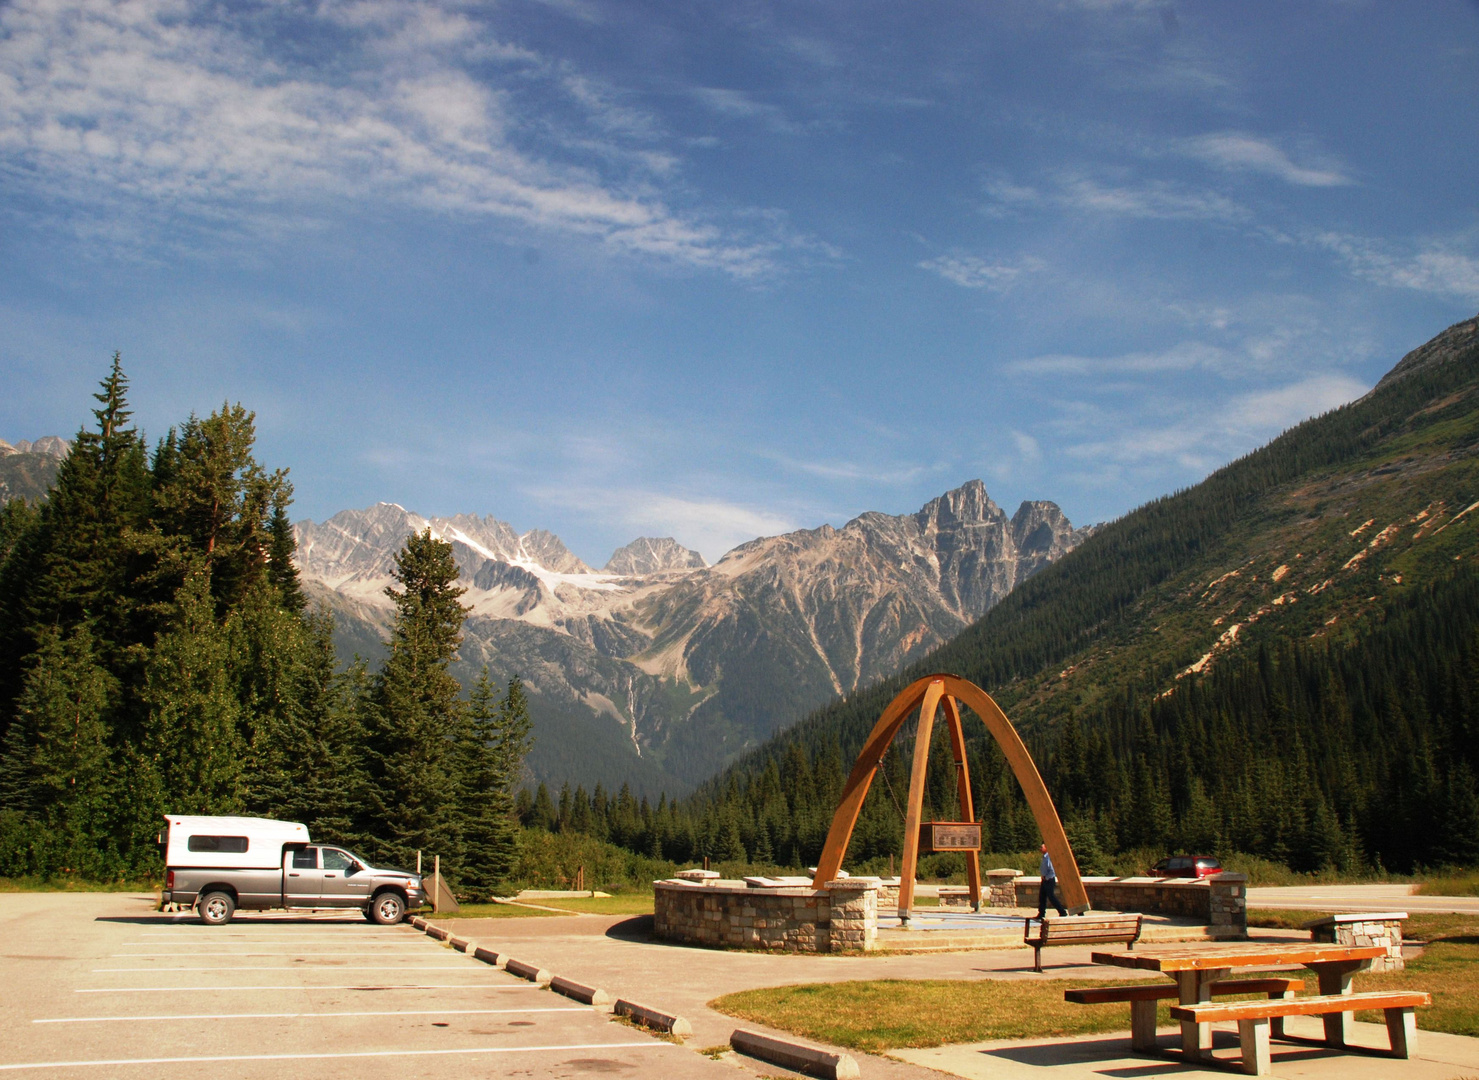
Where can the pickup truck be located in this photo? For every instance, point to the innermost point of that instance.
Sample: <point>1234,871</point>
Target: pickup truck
<point>220,865</point>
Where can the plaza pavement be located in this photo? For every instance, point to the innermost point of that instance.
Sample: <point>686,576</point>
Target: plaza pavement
<point>101,985</point>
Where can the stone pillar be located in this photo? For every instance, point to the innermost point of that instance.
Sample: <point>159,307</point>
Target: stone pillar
<point>853,923</point>
<point>1366,928</point>
<point>1001,887</point>
<point>1229,903</point>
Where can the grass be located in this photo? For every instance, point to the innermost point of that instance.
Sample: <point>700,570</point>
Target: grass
<point>875,1015</point>
<point>491,911</point>
<point>1451,884</point>
<point>71,884</point>
<point>625,904</point>
<point>879,1014</point>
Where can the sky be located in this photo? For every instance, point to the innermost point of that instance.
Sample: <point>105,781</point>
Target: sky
<point>720,270</point>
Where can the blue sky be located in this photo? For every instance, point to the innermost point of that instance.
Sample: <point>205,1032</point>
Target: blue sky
<point>718,270</point>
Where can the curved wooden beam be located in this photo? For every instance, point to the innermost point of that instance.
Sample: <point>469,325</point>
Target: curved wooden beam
<point>1075,897</point>
<point>915,806</point>
<point>1070,884</point>
<point>963,790</point>
<point>861,777</point>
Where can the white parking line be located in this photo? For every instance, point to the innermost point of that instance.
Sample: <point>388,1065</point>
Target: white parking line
<point>304,967</point>
<point>651,1044</point>
<point>175,956</point>
<point>301,1015</point>
<point>361,986</point>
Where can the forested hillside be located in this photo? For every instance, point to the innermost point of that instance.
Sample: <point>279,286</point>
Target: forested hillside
<point>1280,660</point>
<point>156,656</point>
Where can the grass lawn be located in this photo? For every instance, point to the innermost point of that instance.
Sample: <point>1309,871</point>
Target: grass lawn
<point>625,904</point>
<point>68,884</point>
<point>878,1014</point>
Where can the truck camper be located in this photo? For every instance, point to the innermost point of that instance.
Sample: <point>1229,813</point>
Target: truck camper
<point>220,865</point>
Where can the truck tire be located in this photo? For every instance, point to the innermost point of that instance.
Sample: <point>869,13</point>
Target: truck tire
<point>387,909</point>
<point>216,908</point>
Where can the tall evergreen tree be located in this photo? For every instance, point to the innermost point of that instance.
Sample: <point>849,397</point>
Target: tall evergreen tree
<point>489,750</point>
<point>415,711</point>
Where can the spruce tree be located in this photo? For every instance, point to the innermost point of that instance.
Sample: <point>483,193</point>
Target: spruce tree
<point>415,712</point>
<point>489,840</point>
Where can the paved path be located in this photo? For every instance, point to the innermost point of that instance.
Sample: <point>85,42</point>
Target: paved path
<point>1359,898</point>
<point>100,985</point>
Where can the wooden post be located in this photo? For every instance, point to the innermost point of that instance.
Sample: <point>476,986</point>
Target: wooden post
<point>915,807</point>
<point>580,878</point>
<point>436,891</point>
<point>963,789</point>
<point>418,862</point>
<point>706,862</point>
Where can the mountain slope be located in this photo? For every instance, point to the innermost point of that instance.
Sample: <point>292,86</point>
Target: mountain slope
<point>679,665</point>
<point>1317,538</point>
<point>27,469</point>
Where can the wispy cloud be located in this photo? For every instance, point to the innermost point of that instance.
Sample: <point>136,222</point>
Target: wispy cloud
<point>1437,268</point>
<point>1240,152</point>
<point>708,525</point>
<point>1185,356</point>
<point>970,272</point>
<point>183,108</point>
<point>737,105</point>
<point>1089,195</point>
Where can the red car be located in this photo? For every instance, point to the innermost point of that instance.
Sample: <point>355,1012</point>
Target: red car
<point>1191,866</point>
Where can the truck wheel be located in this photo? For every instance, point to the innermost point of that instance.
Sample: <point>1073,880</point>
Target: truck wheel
<point>387,909</point>
<point>216,908</point>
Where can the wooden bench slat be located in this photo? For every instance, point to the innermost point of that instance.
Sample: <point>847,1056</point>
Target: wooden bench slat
<point>1212,1012</point>
<point>1101,995</point>
<point>1104,930</point>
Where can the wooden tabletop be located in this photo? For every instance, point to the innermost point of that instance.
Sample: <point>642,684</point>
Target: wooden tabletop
<point>1241,954</point>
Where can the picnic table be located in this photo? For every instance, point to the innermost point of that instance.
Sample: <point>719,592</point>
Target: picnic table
<point>1197,969</point>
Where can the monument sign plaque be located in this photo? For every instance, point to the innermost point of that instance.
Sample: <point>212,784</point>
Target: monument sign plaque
<point>950,836</point>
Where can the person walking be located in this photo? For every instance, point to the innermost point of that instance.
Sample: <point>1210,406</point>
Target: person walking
<point>1046,892</point>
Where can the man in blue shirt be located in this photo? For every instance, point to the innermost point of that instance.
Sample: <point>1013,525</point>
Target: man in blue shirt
<point>1045,891</point>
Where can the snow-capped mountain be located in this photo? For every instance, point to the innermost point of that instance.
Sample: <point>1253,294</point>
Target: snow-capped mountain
<point>658,668</point>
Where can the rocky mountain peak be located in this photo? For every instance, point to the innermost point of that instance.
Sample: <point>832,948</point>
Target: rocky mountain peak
<point>653,555</point>
<point>967,505</point>
<point>50,445</point>
<point>1457,339</point>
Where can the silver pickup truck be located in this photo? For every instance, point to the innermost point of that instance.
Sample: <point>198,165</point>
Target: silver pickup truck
<point>220,865</point>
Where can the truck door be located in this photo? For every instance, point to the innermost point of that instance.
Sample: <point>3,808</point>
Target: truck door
<point>302,880</point>
<point>345,884</point>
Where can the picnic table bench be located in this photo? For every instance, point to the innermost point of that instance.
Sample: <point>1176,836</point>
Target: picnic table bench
<point>1080,930</point>
<point>1144,997</point>
<point>1253,1018</point>
<point>1198,970</point>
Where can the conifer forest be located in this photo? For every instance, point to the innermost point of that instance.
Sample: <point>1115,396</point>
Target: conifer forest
<point>157,656</point>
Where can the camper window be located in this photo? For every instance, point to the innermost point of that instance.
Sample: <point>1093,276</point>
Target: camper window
<point>231,844</point>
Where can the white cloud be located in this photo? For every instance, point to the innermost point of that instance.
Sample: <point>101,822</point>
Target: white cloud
<point>1087,195</point>
<point>183,109</point>
<point>737,105</point>
<point>1185,356</point>
<point>973,273</point>
<point>1268,411</point>
<point>1437,268</point>
<point>1238,151</point>
<point>708,525</point>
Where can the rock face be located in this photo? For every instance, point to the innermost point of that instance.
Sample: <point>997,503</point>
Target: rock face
<point>28,469</point>
<point>678,665</point>
<point>652,555</point>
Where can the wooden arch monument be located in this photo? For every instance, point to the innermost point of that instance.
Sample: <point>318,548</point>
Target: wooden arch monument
<point>928,695</point>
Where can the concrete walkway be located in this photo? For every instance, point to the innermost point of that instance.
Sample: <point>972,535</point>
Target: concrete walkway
<point>1359,898</point>
<point>617,954</point>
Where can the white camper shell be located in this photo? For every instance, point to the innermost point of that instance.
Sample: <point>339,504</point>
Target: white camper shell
<point>218,865</point>
<point>229,842</point>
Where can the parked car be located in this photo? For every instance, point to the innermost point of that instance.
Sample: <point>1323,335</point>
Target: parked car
<point>1192,866</point>
<point>220,865</point>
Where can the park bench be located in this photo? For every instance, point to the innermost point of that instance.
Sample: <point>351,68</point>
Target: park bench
<point>1144,997</point>
<point>1253,1019</point>
<point>1080,930</point>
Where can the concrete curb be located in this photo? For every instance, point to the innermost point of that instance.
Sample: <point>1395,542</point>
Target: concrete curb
<point>794,1056</point>
<point>462,944</point>
<point>487,956</point>
<point>437,932</point>
<point>658,1021</point>
<point>419,923</point>
<point>588,995</point>
<point>531,972</point>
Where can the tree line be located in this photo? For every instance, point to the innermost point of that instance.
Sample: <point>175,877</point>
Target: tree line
<point>158,655</point>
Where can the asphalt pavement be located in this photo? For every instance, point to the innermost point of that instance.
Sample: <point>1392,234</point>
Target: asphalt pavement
<point>1359,898</point>
<point>99,984</point>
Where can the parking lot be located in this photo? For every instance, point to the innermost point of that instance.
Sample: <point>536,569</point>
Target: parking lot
<point>100,984</point>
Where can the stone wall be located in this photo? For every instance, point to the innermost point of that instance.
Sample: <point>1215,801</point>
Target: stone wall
<point>842,917</point>
<point>1220,902</point>
<point>1365,928</point>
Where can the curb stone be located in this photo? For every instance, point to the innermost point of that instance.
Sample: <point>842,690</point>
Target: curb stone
<point>789,1055</point>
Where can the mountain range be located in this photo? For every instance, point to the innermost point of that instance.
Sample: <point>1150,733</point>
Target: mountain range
<point>658,669</point>
<point>28,469</point>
